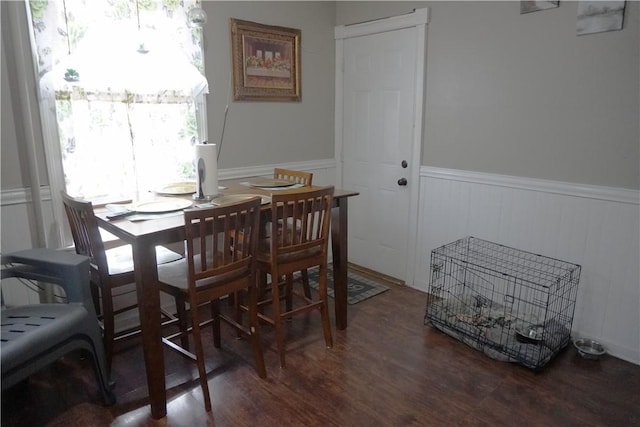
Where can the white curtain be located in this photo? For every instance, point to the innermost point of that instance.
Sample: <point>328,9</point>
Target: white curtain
<point>122,95</point>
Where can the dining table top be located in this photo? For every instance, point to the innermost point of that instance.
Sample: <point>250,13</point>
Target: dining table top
<point>167,220</point>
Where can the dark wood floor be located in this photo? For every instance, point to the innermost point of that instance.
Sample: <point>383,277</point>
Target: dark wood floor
<point>386,369</point>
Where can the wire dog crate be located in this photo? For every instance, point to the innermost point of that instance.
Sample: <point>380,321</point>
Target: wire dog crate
<point>513,305</point>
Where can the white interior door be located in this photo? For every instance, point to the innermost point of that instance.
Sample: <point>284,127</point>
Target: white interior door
<point>381,84</point>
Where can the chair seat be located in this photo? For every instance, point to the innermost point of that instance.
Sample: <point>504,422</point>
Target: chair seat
<point>264,254</point>
<point>30,330</point>
<point>176,274</point>
<point>120,259</point>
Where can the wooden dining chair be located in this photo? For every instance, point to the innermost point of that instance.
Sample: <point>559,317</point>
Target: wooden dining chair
<point>296,248</point>
<point>112,274</point>
<point>220,260</point>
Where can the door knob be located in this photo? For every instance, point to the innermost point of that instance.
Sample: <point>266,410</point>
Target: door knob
<point>404,164</point>
<point>402,181</point>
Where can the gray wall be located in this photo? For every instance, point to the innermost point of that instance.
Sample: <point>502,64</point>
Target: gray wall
<point>522,94</point>
<point>505,93</point>
<point>10,173</point>
<point>260,133</point>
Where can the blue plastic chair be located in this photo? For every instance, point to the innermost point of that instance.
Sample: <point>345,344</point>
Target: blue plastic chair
<point>34,336</point>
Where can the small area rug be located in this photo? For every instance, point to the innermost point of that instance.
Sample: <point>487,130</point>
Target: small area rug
<point>359,287</point>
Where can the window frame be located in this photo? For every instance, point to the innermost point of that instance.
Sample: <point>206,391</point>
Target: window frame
<point>61,235</point>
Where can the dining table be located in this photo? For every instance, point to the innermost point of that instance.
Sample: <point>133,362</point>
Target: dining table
<point>144,231</point>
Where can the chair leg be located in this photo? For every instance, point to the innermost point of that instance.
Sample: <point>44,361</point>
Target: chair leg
<point>95,296</point>
<point>238,301</point>
<point>277,319</point>
<point>215,316</point>
<point>101,372</point>
<point>288,292</point>
<point>199,353</point>
<point>108,323</point>
<point>324,309</point>
<point>255,333</point>
<point>262,286</point>
<point>305,283</point>
<point>183,321</point>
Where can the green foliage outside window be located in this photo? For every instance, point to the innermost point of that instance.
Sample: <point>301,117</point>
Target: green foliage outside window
<point>38,8</point>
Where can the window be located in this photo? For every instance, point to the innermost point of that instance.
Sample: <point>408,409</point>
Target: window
<point>122,93</point>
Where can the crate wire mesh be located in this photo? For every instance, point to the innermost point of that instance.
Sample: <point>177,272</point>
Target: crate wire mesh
<point>511,304</point>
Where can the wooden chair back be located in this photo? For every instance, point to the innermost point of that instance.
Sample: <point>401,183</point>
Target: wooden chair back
<point>221,244</point>
<point>86,235</point>
<point>303,242</point>
<point>299,177</point>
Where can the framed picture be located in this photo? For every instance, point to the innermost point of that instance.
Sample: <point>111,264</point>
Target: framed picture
<point>266,62</point>
<point>599,16</point>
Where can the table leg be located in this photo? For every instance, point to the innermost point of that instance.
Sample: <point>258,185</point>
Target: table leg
<point>146,273</point>
<point>339,250</point>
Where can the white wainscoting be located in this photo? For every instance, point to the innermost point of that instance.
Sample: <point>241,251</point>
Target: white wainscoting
<point>17,234</point>
<point>596,227</point>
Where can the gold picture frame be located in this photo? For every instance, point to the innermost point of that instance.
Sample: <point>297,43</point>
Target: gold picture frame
<point>265,60</point>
